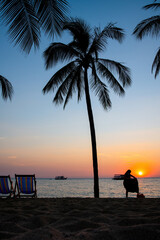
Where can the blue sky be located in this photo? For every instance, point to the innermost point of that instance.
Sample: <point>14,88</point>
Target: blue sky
<point>37,136</point>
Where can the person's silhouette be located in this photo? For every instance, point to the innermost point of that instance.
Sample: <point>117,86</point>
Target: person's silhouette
<point>130,183</point>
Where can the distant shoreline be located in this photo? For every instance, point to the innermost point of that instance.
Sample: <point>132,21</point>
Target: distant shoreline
<point>87,178</point>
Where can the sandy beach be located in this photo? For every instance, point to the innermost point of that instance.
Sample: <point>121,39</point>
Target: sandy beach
<point>80,218</point>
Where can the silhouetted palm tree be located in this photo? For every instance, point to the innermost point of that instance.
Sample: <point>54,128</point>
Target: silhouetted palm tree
<point>150,26</point>
<point>83,52</point>
<point>6,87</point>
<point>26,17</point>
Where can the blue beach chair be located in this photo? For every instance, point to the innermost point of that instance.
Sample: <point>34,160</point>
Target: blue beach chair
<point>25,185</point>
<point>6,186</point>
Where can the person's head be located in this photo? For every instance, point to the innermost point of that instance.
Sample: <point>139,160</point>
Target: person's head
<point>128,172</point>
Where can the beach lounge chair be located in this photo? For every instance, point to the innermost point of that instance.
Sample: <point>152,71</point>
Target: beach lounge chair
<point>131,185</point>
<point>6,186</point>
<point>25,186</point>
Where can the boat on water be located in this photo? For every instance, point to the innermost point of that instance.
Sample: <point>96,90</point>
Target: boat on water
<point>118,177</point>
<point>60,178</point>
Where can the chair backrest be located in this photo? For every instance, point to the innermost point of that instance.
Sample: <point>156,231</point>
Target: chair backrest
<point>131,185</point>
<point>4,184</point>
<point>25,183</point>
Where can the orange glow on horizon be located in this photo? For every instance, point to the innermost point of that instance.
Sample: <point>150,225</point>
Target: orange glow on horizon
<point>142,161</point>
<point>142,169</point>
<point>76,161</point>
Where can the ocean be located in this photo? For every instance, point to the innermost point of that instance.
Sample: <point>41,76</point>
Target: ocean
<point>78,187</point>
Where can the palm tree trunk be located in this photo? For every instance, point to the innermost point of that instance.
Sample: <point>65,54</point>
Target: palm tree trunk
<point>93,136</point>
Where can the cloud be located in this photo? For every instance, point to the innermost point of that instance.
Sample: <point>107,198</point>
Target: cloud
<point>12,157</point>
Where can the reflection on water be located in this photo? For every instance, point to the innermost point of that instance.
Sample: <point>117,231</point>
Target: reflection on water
<point>84,188</point>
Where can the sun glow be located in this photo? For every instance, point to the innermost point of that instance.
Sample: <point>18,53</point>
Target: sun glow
<point>140,173</point>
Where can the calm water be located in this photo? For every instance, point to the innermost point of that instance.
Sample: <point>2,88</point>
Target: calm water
<point>109,188</point>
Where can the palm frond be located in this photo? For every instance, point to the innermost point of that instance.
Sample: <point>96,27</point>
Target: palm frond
<point>6,87</point>
<point>152,6</point>
<point>114,84</point>
<point>100,90</point>
<point>24,28</point>
<point>80,82</point>
<point>58,52</point>
<point>80,32</point>
<point>58,77</point>
<point>72,87</point>
<point>149,26</point>
<point>122,71</point>
<point>113,32</point>
<point>100,37</point>
<point>156,63</point>
<point>99,42</point>
<point>52,15</point>
<point>63,89</point>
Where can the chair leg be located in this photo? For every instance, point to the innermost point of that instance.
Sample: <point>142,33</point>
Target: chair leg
<point>126,194</point>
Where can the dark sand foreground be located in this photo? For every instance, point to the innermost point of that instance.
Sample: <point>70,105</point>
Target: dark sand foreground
<point>80,218</point>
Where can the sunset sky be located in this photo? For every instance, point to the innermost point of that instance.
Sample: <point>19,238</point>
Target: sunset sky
<point>38,137</point>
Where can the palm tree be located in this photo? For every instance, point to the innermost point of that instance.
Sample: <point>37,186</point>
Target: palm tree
<point>25,18</point>
<point>7,89</point>
<point>83,56</point>
<point>150,26</point>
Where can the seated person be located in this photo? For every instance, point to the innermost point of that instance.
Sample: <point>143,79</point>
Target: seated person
<point>130,183</point>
